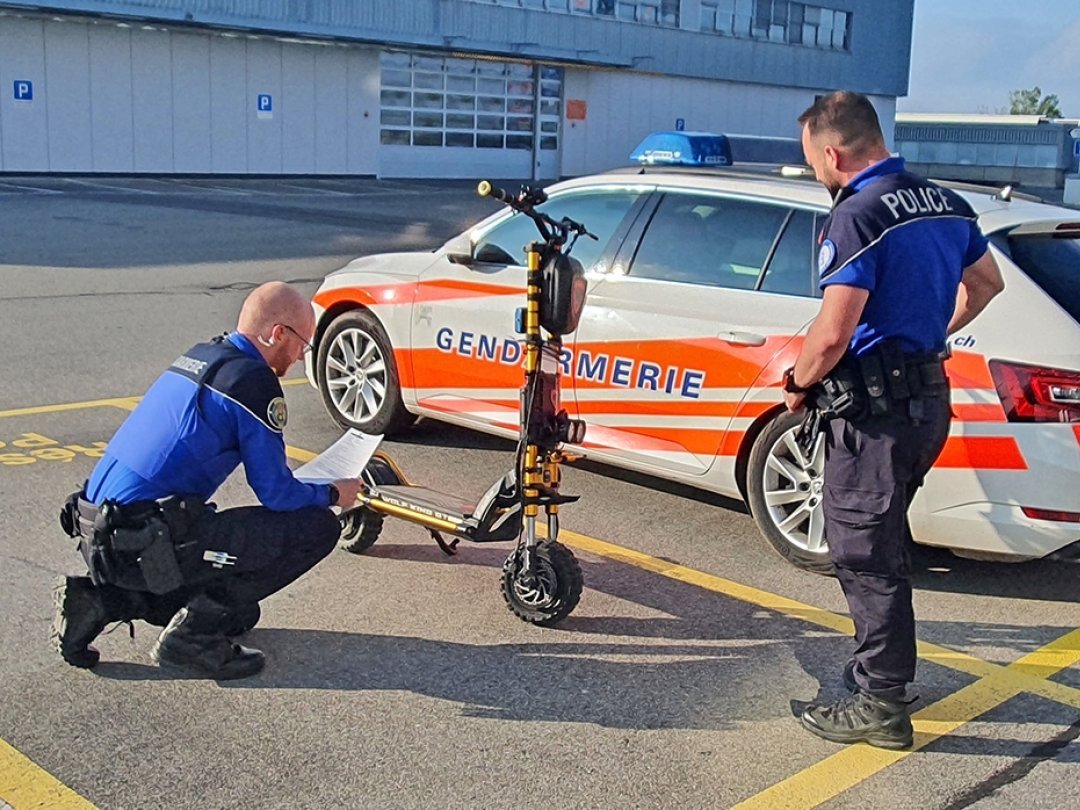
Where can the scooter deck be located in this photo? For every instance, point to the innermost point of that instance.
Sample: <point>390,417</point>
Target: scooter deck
<point>453,507</point>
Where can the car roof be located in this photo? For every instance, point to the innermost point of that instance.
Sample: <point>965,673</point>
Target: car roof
<point>766,181</point>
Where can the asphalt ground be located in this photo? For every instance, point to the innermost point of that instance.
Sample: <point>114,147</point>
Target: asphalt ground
<point>398,679</point>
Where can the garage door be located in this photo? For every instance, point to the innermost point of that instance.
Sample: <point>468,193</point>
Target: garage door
<point>453,117</point>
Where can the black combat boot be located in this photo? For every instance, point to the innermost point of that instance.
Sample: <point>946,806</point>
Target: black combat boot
<point>79,618</point>
<point>83,610</point>
<point>862,718</point>
<point>241,619</point>
<point>194,642</point>
<point>849,676</point>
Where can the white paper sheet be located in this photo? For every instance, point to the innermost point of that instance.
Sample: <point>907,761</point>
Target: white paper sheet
<point>345,458</point>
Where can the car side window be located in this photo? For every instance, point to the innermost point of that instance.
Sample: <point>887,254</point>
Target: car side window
<point>701,239</point>
<point>791,269</point>
<point>599,211</point>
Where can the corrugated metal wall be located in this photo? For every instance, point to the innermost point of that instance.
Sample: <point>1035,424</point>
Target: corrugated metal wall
<point>128,99</point>
<point>622,107</point>
<point>878,62</point>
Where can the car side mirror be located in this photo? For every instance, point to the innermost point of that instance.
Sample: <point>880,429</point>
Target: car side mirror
<point>459,250</point>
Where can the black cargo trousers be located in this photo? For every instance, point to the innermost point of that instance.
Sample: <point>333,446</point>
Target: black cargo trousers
<point>873,467</point>
<point>240,556</point>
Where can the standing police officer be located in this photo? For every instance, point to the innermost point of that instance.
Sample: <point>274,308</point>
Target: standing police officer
<point>155,548</point>
<point>902,264</point>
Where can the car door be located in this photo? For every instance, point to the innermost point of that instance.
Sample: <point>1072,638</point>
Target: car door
<point>467,357</point>
<point>681,324</point>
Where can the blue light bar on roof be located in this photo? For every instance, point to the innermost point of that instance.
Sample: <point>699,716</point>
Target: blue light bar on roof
<point>683,149</point>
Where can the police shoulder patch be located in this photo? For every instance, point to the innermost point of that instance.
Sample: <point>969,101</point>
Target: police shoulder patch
<point>826,256</point>
<point>277,413</point>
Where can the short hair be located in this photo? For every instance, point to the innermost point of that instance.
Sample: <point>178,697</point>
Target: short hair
<point>848,115</point>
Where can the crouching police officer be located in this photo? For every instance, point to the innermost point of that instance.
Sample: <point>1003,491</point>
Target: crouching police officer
<point>902,264</point>
<point>155,548</point>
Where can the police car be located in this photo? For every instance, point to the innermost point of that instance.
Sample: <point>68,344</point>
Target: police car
<point>701,287</point>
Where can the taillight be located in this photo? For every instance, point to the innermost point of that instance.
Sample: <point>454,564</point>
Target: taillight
<point>1051,514</point>
<point>1037,394</point>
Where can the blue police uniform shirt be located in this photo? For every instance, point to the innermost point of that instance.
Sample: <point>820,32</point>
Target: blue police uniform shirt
<point>906,241</point>
<point>217,405</point>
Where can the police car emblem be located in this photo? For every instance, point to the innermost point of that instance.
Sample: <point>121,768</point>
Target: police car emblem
<point>277,413</point>
<point>826,255</point>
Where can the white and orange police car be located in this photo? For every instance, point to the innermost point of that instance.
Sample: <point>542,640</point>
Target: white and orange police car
<point>701,286</point>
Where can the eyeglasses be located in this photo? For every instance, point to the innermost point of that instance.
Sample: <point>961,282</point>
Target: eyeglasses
<point>307,346</point>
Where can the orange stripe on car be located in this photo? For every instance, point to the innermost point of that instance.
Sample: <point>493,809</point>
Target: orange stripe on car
<point>978,412</point>
<point>981,453</point>
<point>668,408</point>
<point>447,288</point>
<point>968,370</point>
<point>412,292</point>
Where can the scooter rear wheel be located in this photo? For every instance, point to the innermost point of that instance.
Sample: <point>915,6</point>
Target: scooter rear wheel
<point>360,529</point>
<point>548,596</point>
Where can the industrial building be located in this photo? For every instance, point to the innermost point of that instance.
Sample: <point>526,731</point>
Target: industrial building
<point>420,88</point>
<point>1029,151</point>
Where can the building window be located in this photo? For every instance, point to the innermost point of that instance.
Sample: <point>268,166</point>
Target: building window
<point>779,21</point>
<point>648,12</point>
<point>472,103</point>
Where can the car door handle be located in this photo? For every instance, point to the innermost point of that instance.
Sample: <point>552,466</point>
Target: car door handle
<point>742,338</point>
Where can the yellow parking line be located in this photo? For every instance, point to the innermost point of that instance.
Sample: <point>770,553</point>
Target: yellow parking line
<point>830,777</point>
<point>127,403</point>
<point>24,785</point>
<point>845,769</point>
<point>299,454</point>
<point>1024,678</point>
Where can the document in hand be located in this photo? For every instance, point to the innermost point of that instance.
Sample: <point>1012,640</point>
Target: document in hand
<point>345,458</point>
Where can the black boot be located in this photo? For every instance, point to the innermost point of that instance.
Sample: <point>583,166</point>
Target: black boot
<point>862,718</point>
<point>195,643</point>
<point>78,619</point>
<point>849,676</point>
<point>241,619</point>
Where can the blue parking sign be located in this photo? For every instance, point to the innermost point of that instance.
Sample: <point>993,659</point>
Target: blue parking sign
<point>264,102</point>
<point>680,124</point>
<point>24,90</point>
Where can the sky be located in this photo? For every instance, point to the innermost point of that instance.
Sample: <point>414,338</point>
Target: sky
<point>967,55</point>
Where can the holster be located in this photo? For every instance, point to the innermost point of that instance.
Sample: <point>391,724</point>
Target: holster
<point>841,393</point>
<point>126,545</point>
<point>879,382</point>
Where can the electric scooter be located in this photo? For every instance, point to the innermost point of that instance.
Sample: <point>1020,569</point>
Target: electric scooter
<point>541,579</point>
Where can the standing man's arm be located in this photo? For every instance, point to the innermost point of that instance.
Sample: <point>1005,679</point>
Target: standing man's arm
<point>980,282</point>
<point>828,337</point>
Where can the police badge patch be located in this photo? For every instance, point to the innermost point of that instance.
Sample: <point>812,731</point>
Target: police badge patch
<point>277,413</point>
<point>826,256</point>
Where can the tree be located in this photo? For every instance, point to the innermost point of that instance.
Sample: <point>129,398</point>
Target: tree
<point>1033,102</point>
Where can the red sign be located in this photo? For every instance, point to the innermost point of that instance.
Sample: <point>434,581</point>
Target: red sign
<point>576,109</point>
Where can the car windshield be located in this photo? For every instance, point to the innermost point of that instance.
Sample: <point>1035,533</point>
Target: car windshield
<point>1051,260</point>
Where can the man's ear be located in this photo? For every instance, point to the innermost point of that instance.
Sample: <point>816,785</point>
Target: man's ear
<point>833,157</point>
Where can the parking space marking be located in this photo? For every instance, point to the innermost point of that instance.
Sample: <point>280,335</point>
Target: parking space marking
<point>31,189</point>
<point>24,784</point>
<point>126,403</point>
<point>845,769</point>
<point>832,776</point>
<point>821,782</point>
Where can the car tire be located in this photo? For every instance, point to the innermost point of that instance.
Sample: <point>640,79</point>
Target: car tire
<point>358,378</point>
<point>784,491</point>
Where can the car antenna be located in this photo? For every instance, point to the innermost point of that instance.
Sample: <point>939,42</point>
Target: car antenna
<point>1005,194</point>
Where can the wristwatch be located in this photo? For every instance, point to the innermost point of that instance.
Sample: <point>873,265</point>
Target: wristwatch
<point>789,382</point>
<point>335,496</point>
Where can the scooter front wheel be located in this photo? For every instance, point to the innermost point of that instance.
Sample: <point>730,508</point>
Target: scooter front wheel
<point>360,529</point>
<point>547,595</point>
